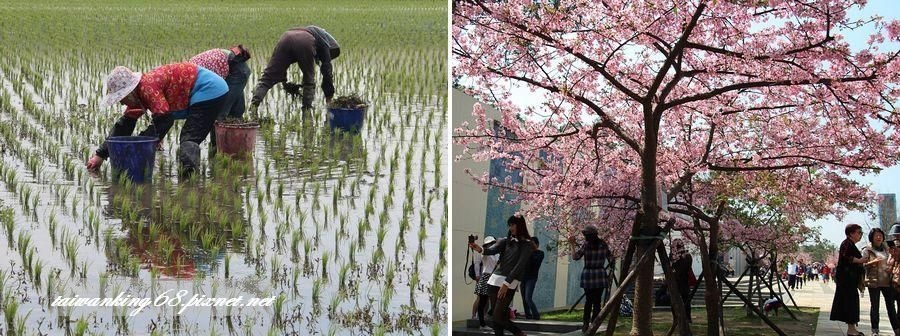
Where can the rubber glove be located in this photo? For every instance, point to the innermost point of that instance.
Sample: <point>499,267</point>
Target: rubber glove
<point>94,162</point>
<point>254,111</point>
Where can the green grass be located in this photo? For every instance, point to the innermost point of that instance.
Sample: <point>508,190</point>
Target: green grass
<point>736,321</point>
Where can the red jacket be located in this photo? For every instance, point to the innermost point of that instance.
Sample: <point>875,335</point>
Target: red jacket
<point>164,89</point>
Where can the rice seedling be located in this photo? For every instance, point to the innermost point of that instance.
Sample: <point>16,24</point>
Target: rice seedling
<point>6,217</point>
<point>82,272</point>
<point>81,327</point>
<point>307,248</point>
<point>324,259</point>
<point>10,311</point>
<point>316,291</point>
<point>296,236</point>
<point>21,323</point>
<point>227,265</point>
<point>275,267</point>
<point>278,306</point>
<point>36,277</point>
<point>103,281</point>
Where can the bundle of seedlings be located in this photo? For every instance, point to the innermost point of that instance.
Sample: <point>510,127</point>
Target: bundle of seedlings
<point>352,102</point>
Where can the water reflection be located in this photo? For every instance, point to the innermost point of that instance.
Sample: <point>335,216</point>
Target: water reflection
<point>176,231</point>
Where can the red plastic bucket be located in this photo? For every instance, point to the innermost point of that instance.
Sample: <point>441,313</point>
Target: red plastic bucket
<point>236,139</point>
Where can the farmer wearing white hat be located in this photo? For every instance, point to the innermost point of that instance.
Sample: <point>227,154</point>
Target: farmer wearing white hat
<point>169,92</point>
<point>305,46</point>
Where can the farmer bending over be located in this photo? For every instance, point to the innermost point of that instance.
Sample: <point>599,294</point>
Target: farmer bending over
<point>169,92</point>
<point>304,46</point>
<point>231,65</point>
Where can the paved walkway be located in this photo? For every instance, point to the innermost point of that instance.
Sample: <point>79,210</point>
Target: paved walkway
<point>817,294</point>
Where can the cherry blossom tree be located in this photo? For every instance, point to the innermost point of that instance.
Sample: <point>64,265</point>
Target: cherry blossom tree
<point>642,98</point>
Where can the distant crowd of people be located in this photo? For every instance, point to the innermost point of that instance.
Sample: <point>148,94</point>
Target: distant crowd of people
<point>798,272</point>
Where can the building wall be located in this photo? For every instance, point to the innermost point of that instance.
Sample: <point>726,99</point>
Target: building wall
<point>545,288</point>
<point>480,212</point>
<point>887,211</point>
<point>469,204</point>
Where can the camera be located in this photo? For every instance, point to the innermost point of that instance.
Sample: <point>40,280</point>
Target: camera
<point>472,238</point>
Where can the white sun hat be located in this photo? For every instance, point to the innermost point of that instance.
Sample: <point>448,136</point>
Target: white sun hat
<point>489,239</point>
<point>120,82</point>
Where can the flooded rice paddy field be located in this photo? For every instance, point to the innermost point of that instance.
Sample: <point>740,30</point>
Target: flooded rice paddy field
<point>336,233</point>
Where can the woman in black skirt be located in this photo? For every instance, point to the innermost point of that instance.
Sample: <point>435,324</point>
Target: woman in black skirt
<point>849,272</point>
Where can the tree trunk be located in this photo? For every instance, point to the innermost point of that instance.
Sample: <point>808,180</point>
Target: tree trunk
<point>626,267</point>
<point>750,288</point>
<point>708,251</point>
<point>643,287</point>
<point>643,296</point>
<point>678,309</point>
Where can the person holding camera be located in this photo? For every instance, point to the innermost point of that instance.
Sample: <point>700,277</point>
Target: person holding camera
<point>878,279</point>
<point>515,252</point>
<point>594,278</point>
<point>484,267</point>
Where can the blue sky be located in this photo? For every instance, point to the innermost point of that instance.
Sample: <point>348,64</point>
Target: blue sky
<point>888,181</point>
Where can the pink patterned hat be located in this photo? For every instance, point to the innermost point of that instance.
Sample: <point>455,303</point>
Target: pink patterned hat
<point>120,82</point>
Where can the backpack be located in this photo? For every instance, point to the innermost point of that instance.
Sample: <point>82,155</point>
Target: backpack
<point>626,308</point>
<point>325,43</point>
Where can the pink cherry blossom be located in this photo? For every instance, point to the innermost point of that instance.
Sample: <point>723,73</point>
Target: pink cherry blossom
<point>725,105</point>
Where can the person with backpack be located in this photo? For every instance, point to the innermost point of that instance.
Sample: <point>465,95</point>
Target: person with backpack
<point>305,46</point>
<point>594,277</point>
<point>530,281</point>
<point>483,267</point>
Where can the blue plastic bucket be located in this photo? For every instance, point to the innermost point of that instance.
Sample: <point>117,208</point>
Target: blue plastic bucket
<point>349,120</point>
<point>133,155</point>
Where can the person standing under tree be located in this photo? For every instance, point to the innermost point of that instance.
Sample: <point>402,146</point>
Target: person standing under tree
<point>484,267</point>
<point>530,281</point>
<point>682,263</point>
<point>792,274</point>
<point>515,251</point>
<point>848,273</point>
<point>594,278</point>
<point>878,279</point>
